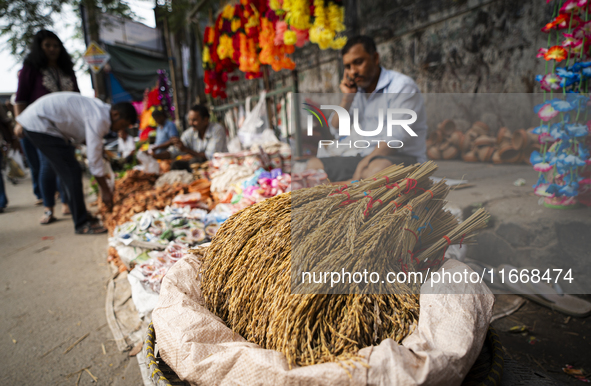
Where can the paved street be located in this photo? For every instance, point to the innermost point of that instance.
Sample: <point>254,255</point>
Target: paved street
<point>53,286</point>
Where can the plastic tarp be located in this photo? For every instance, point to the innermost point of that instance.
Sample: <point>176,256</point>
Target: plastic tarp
<point>135,70</point>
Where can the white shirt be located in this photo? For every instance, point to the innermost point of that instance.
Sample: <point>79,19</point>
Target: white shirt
<point>125,147</point>
<point>394,90</point>
<point>214,140</point>
<point>73,117</point>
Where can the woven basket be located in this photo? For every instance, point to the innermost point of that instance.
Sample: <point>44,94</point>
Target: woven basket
<point>160,373</point>
<point>486,371</point>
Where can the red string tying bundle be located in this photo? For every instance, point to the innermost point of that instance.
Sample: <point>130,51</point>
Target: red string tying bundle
<point>403,266</point>
<point>370,204</point>
<point>448,244</point>
<point>340,190</point>
<point>411,184</point>
<point>412,257</point>
<point>414,234</point>
<point>347,202</point>
<point>462,240</point>
<point>427,190</point>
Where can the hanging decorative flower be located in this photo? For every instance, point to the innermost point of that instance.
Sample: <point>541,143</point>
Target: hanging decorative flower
<point>254,32</point>
<point>550,82</point>
<point>329,20</point>
<point>547,112</point>
<point>557,53</point>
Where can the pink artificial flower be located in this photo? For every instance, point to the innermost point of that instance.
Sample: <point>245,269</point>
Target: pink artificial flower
<point>570,41</point>
<point>575,49</point>
<point>547,112</point>
<point>566,22</point>
<point>545,138</point>
<point>570,6</point>
<point>550,82</point>
<point>583,31</point>
<point>280,29</point>
<point>580,3</point>
<point>586,181</point>
<point>543,167</point>
<point>541,52</point>
<point>302,36</point>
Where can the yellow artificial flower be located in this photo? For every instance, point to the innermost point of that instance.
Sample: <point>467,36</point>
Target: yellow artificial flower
<point>298,13</point>
<point>253,21</point>
<point>225,47</point>
<point>228,12</point>
<point>235,25</point>
<point>205,56</point>
<point>274,5</point>
<point>326,35</point>
<point>338,43</point>
<point>336,17</point>
<point>210,36</point>
<point>290,37</point>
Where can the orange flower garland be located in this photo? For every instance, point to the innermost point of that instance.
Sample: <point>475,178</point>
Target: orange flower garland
<point>255,32</point>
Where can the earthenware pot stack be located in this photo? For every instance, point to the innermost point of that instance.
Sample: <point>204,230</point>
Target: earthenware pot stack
<point>478,145</point>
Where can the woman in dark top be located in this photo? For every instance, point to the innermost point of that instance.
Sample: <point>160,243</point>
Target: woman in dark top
<point>47,68</point>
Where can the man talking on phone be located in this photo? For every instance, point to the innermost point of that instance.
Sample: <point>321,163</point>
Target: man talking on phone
<point>368,87</point>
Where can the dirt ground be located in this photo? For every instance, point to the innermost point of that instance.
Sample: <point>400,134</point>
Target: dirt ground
<point>53,286</point>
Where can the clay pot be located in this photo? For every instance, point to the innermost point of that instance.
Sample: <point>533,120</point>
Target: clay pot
<point>433,153</point>
<point>480,127</point>
<point>485,153</point>
<point>456,138</point>
<point>447,127</point>
<point>434,138</point>
<point>450,153</point>
<point>443,146</point>
<point>503,135</point>
<point>465,144</point>
<point>470,157</point>
<point>533,138</point>
<point>508,154</point>
<point>496,159</point>
<point>485,141</point>
<point>520,140</point>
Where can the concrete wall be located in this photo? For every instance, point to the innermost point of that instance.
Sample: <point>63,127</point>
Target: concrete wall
<point>446,46</point>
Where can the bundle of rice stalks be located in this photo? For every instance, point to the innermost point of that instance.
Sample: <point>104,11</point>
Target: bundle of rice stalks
<point>392,222</point>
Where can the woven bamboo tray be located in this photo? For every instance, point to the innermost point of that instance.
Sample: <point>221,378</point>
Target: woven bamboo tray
<point>486,371</point>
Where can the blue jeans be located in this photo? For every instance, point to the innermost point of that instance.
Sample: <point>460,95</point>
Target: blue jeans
<point>32,155</point>
<point>49,183</point>
<point>62,157</point>
<point>3,200</point>
<point>45,181</point>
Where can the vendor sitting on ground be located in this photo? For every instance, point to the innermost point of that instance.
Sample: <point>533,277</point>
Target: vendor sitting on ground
<point>53,121</point>
<point>200,141</point>
<point>363,85</point>
<point>166,129</point>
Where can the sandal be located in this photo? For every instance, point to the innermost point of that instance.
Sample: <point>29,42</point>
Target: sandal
<point>47,218</point>
<point>90,228</point>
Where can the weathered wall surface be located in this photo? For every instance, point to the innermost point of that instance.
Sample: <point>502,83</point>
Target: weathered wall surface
<point>446,46</point>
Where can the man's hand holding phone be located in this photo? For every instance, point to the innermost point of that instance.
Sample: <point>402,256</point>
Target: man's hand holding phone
<point>348,85</point>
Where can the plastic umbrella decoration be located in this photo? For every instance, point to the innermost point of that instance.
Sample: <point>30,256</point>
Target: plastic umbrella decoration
<point>563,161</point>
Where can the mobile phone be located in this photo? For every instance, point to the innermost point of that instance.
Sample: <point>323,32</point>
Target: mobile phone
<point>351,82</point>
